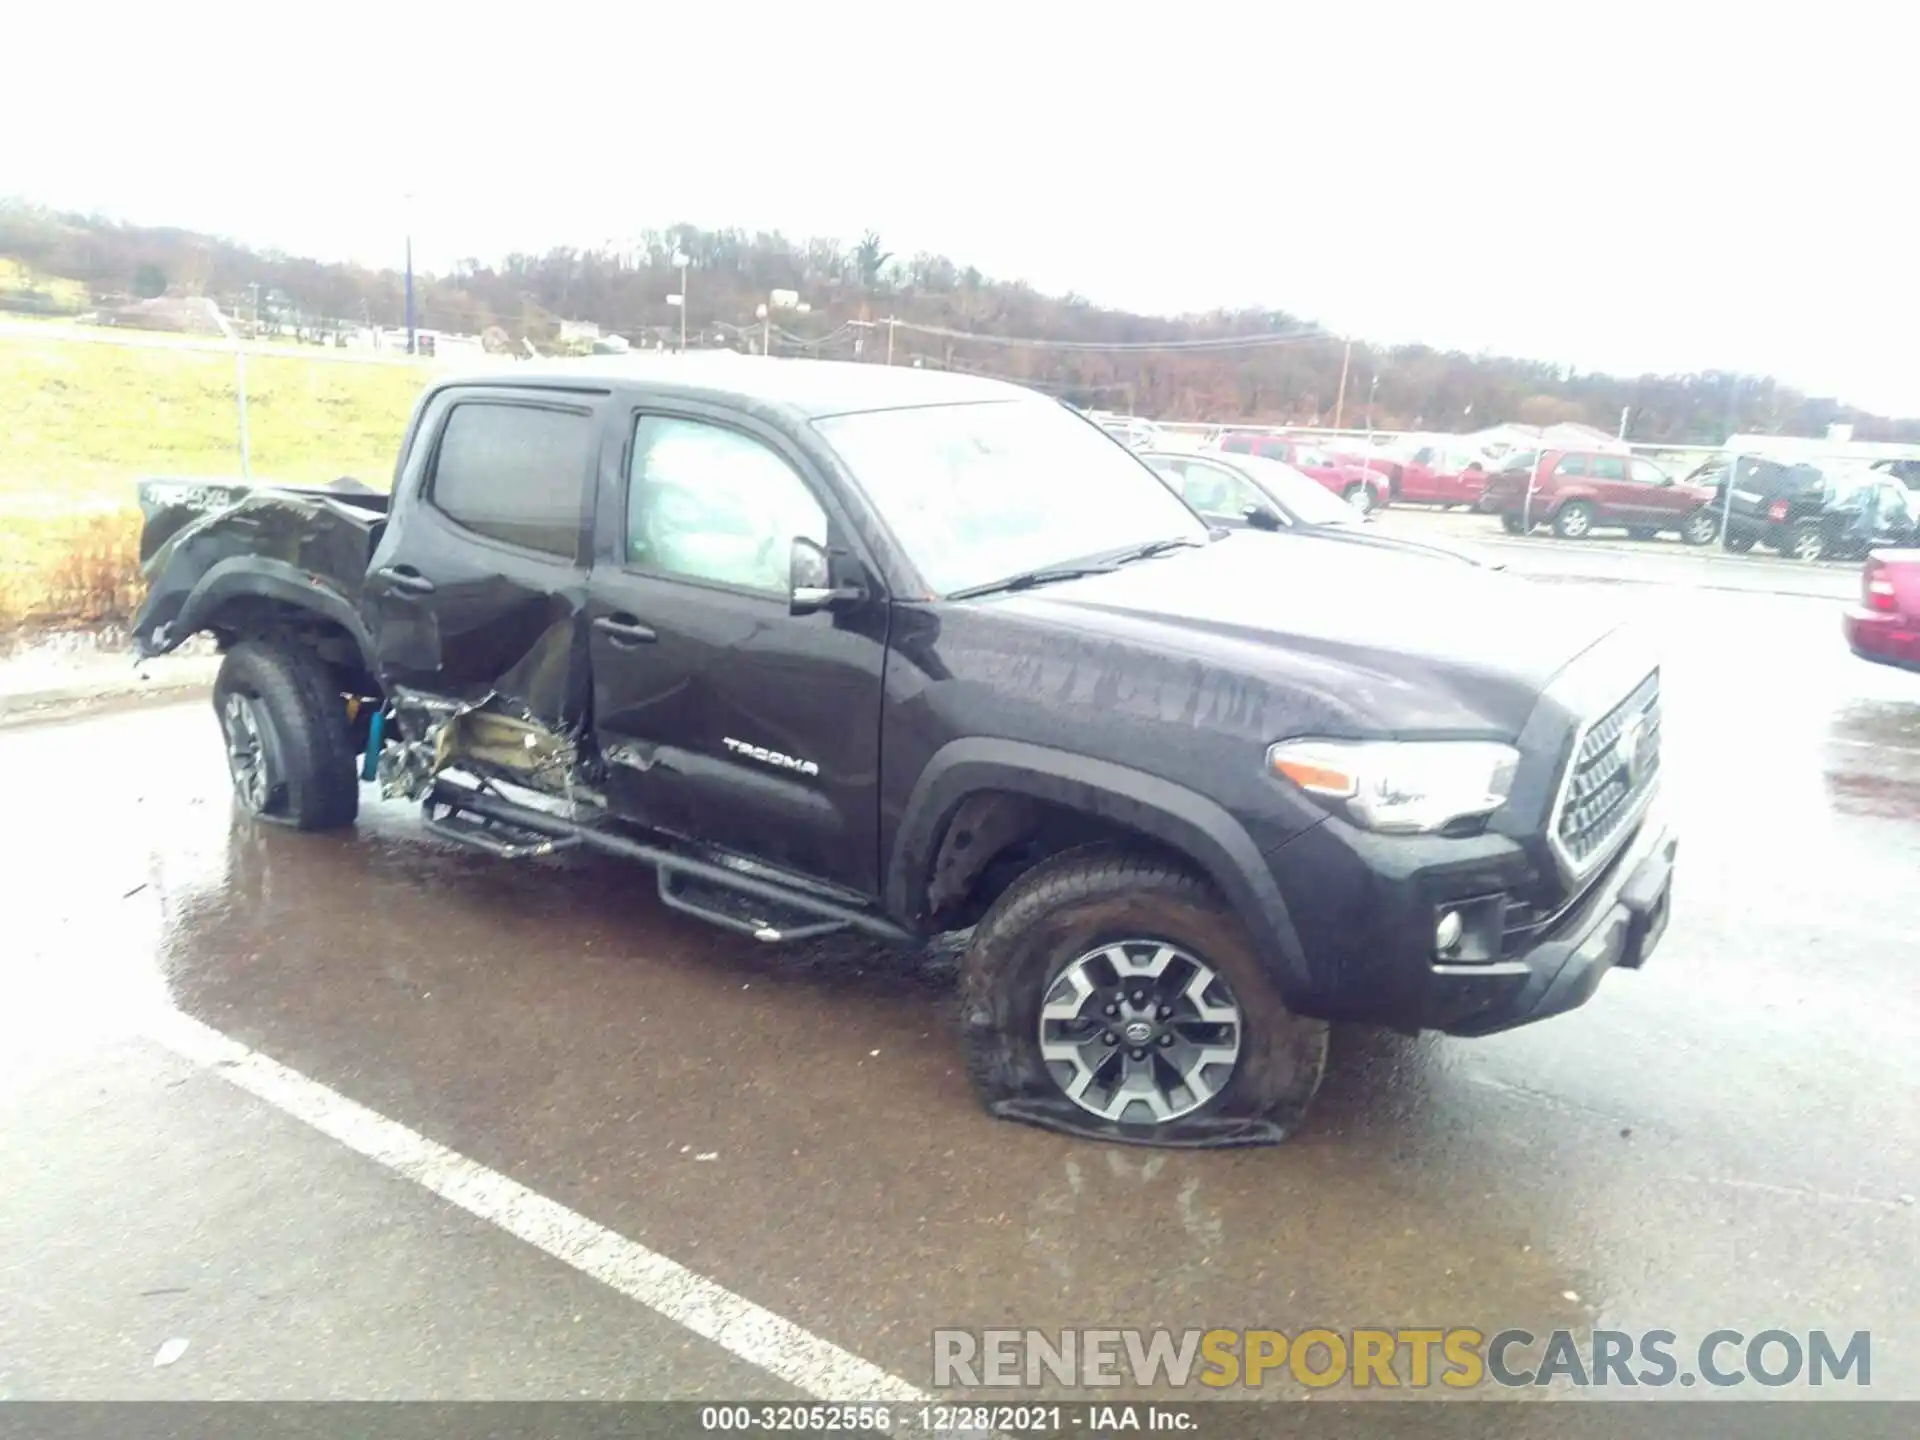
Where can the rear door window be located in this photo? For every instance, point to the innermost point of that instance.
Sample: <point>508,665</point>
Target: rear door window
<point>1572,465</point>
<point>1607,467</point>
<point>516,473</point>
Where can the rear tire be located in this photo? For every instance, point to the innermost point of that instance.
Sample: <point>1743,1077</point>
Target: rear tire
<point>1575,520</point>
<point>1805,542</point>
<point>289,747</point>
<point>1048,944</point>
<point>1511,524</point>
<point>1360,497</point>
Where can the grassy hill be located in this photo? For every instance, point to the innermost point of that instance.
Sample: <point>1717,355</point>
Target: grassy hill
<point>83,421</point>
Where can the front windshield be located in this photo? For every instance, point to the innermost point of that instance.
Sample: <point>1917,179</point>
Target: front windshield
<point>983,492</point>
<point>1303,497</point>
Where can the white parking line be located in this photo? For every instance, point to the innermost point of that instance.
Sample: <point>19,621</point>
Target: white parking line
<point>738,1326</point>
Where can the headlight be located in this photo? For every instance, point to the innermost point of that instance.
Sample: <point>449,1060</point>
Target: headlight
<point>1400,787</point>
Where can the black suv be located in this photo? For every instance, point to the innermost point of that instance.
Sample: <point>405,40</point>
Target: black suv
<point>848,647</point>
<point>1807,511</point>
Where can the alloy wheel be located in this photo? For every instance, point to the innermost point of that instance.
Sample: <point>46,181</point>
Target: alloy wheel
<point>247,758</point>
<point>1140,1030</point>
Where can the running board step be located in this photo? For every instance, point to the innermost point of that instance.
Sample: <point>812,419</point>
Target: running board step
<point>723,905</point>
<point>501,838</point>
<point>749,904</point>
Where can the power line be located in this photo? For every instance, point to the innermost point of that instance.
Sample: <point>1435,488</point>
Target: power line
<point>1216,342</point>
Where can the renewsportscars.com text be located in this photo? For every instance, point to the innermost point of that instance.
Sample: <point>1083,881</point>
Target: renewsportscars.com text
<point>1458,1358</point>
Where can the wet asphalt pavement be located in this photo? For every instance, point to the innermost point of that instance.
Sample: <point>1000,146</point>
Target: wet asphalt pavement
<point>1728,1138</point>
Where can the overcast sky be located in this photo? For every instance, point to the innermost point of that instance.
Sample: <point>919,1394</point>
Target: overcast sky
<point>1617,186</point>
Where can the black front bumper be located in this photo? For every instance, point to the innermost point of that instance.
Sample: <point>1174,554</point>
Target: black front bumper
<point>1365,909</point>
<point>1618,923</point>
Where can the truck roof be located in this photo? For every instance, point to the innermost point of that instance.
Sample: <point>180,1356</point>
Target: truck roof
<point>812,388</point>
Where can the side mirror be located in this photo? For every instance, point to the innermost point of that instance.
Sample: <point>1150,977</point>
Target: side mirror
<point>810,580</point>
<point>1261,518</point>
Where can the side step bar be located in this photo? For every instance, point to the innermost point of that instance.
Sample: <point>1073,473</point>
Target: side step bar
<point>496,837</point>
<point>765,909</point>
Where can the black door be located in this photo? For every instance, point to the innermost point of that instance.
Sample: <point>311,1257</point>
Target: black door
<point>723,717</point>
<point>479,583</point>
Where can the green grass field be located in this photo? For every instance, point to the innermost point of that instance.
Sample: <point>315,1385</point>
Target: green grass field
<point>81,422</point>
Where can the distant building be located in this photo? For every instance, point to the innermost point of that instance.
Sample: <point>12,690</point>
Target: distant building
<point>180,314</point>
<point>433,343</point>
<point>1837,445</point>
<point>1498,440</point>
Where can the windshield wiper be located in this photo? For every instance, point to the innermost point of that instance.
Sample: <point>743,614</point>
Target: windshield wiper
<point>1156,547</point>
<point>1027,579</point>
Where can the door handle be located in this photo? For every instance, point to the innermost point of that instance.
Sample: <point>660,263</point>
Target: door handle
<point>405,577</point>
<point>625,630</point>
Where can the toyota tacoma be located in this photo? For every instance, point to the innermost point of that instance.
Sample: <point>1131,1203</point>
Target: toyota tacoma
<point>843,647</point>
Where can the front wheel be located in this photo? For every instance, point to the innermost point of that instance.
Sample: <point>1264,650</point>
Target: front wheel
<point>1360,497</point>
<point>1119,998</point>
<point>289,746</point>
<point>1575,520</point>
<point>1702,527</point>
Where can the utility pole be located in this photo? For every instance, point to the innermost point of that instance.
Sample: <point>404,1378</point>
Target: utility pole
<point>1340,400</point>
<point>891,322</point>
<point>680,262</point>
<point>410,346</point>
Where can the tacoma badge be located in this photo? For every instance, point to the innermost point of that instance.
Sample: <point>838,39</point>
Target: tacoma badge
<point>770,757</point>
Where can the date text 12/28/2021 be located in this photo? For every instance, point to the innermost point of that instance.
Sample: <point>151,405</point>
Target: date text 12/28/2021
<point>1092,1420</point>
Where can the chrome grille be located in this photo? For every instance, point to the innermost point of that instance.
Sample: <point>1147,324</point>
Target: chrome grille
<point>1614,769</point>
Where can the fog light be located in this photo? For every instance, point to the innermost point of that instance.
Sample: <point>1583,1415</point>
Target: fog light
<point>1446,935</point>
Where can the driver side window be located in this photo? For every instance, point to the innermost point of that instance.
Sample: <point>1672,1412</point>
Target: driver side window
<point>708,503</point>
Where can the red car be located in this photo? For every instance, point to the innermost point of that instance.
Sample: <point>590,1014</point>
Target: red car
<point>1438,476</point>
<point>1580,491</point>
<point>1885,626</point>
<point>1359,485</point>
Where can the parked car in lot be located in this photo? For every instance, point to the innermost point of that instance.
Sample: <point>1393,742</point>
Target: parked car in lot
<point>1441,475</point>
<point>1576,492</point>
<point>1907,472</point>
<point>1884,626</point>
<point>1810,511</point>
<point>1361,486</point>
<point>1252,492</point>
<point>1130,430</point>
<point>840,647</point>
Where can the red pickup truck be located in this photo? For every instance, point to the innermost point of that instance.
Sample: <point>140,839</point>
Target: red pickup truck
<point>1360,486</point>
<point>1436,475</point>
<point>1579,491</point>
<point>1885,626</point>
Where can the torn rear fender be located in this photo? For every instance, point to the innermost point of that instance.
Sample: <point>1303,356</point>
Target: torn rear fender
<point>205,544</point>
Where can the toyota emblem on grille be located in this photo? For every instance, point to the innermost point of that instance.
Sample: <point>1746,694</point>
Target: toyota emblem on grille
<point>1632,734</point>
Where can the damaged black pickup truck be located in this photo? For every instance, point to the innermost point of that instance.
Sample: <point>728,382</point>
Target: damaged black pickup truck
<point>837,647</point>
